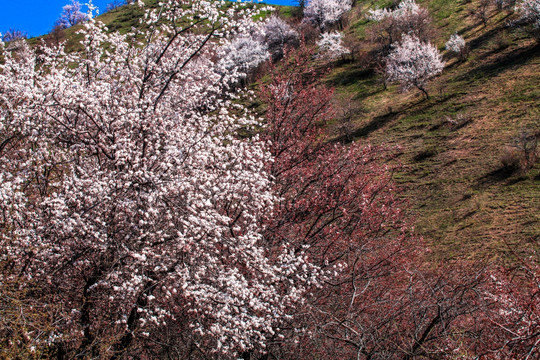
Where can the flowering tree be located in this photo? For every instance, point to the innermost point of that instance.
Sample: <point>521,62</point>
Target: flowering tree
<point>71,15</point>
<point>407,18</point>
<point>129,199</point>
<point>331,45</point>
<point>13,35</point>
<point>413,63</point>
<point>241,56</point>
<point>325,13</point>
<point>278,35</point>
<point>337,203</point>
<point>457,45</point>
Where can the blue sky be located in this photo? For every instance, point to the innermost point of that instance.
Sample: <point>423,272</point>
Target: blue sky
<point>37,17</point>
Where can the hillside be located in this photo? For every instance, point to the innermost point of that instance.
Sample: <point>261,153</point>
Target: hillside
<point>465,201</point>
<point>213,187</point>
<point>467,204</point>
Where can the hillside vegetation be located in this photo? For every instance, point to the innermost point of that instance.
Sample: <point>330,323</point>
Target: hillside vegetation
<point>204,185</point>
<point>467,203</point>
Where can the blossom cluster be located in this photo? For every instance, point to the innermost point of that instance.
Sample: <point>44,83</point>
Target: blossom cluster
<point>455,44</point>
<point>405,9</point>
<point>126,191</point>
<point>413,62</point>
<point>331,45</point>
<point>326,13</point>
<point>530,11</point>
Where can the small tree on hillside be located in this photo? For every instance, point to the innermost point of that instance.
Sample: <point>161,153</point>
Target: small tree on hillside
<point>413,63</point>
<point>241,57</point>
<point>408,17</point>
<point>326,13</point>
<point>279,35</point>
<point>331,45</point>
<point>71,15</point>
<point>481,12</point>
<point>457,45</point>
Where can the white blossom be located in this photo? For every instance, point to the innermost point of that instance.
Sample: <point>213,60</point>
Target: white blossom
<point>455,44</point>
<point>72,15</point>
<point>413,63</point>
<point>278,35</point>
<point>123,180</point>
<point>530,11</point>
<point>325,13</point>
<point>243,54</point>
<point>405,9</point>
<point>331,45</point>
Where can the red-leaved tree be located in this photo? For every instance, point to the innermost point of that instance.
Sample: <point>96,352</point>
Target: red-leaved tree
<point>381,298</point>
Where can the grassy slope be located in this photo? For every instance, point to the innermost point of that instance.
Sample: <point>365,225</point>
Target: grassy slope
<point>465,205</point>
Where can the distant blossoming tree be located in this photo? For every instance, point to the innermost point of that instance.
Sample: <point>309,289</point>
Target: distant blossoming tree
<point>404,10</point>
<point>241,56</point>
<point>71,15</point>
<point>331,45</point>
<point>413,63</point>
<point>457,45</point>
<point>325,13</point>
<point>407,18</point>
<point>278,35</point>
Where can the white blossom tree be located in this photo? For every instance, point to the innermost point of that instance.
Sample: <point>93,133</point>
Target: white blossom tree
<point>331,45</point>
<point>325,13</point>
<point>407,18</point>
<point>241,56</point>
<point>128,198</point>
<point>71,15</point>
<point>278,35</point>
<point>413,63</point>
<point>403,12</point>
<point>529,11</point>
<point>457,45</point>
